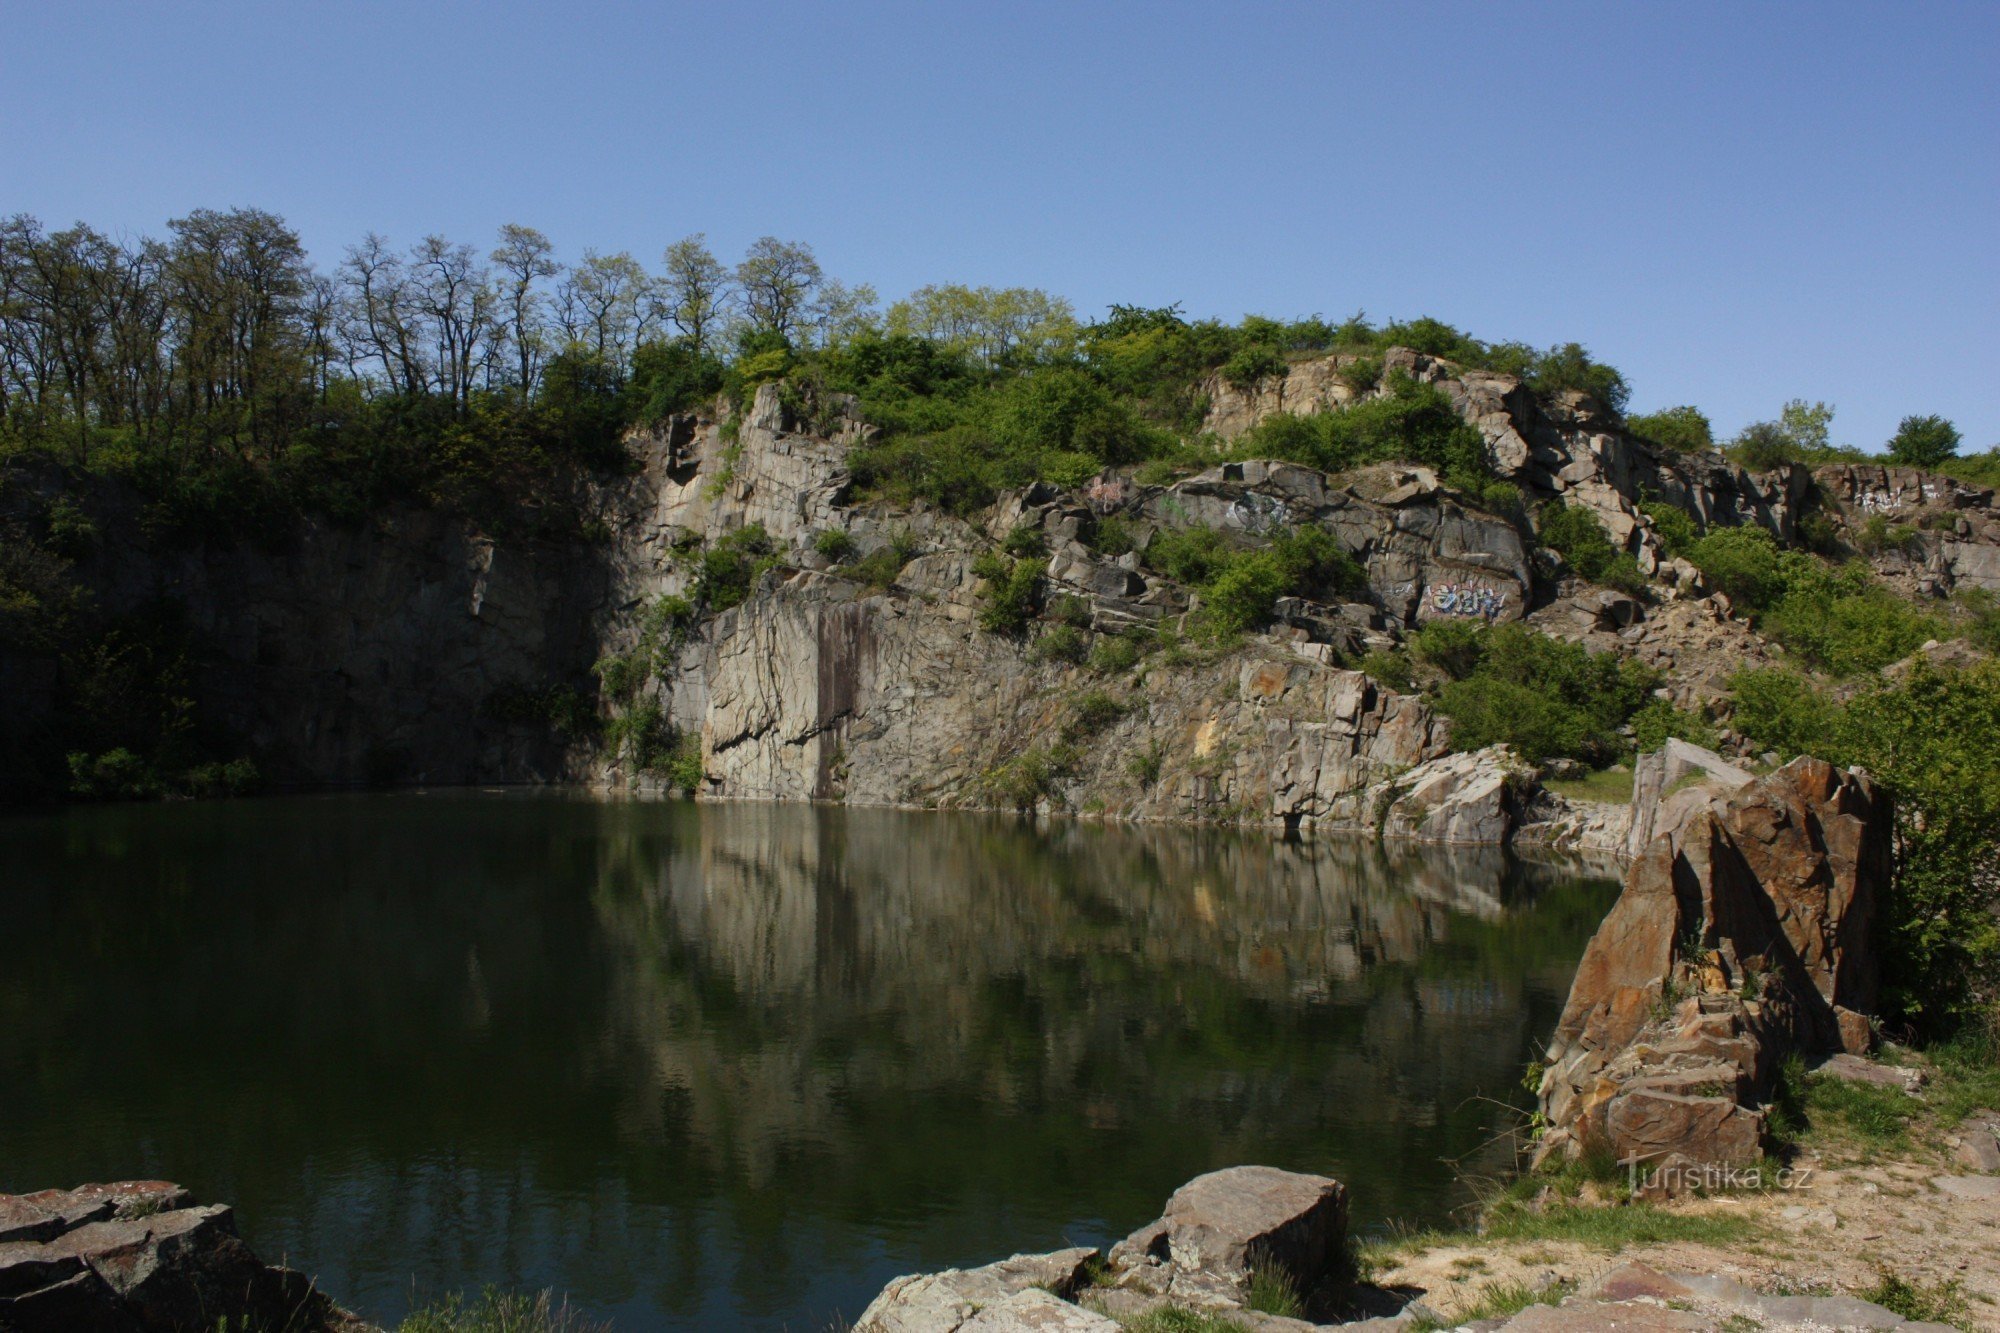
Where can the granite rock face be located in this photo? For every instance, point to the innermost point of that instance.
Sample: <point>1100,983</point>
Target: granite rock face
<point>1741,936</point>
<point>142,1257</point>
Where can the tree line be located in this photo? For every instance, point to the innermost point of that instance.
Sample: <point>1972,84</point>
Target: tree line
<point>223,334</point>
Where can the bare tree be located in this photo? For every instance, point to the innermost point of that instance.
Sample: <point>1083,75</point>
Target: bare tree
<point>525,256</point>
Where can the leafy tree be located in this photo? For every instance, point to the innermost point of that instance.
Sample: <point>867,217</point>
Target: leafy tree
<point>695,289</point>
<point>778,280</point>
<point>1684,428</point>
<point>1925,442</point>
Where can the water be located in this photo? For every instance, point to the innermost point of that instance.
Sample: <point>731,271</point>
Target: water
<point>737,1066</point>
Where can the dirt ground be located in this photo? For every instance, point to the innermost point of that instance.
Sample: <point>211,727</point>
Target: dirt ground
<point>1854,1215</point>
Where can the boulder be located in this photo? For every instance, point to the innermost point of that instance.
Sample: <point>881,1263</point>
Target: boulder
<point>1741,936</point>
<point>944,1302</point>
<point>1229,1222</point>
<point>1037,1311</point>
<point>141,1257</point>
<point>1467,799</point>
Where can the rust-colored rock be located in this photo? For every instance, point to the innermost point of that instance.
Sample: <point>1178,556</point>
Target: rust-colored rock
<point>1742,934</point>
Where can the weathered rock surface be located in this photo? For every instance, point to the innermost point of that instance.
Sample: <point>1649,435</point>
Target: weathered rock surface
<point>142,1257</point>
<point>1026,1291</point>
<point>1740,936</point>
<point>1228,1222</point>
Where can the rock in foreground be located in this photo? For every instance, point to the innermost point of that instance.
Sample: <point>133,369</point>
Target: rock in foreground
<point>142,1257</point>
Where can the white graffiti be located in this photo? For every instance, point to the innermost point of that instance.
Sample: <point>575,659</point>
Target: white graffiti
<point>1467,599</point>
<point>1877,501</point>
<point>1256,513</point>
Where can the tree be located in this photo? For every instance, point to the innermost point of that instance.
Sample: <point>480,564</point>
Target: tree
<point>457,296</point>
<point>695,290</point>
<point>1684,428</point>
<point>778,280</point>
<point>382,312</point>
<point>1808,425</point>
<point>525,256</point>
<point>1924,442</point>
<point>609,290</point>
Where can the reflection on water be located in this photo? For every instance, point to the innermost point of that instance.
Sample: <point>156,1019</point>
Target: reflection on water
<point>730,1066</point>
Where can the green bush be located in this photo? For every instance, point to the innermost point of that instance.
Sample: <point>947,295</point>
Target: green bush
<point>1114,653</point>
<point>1390,670</point>
<point>1544,697</point>
<point>1683,428</point>
<point>731,566</point>
<point>1254,363</point>
<point>1657,721</point>
<point>1239,596</point>
<point>1674,526</point>
<point>1742,563</point>
<point>1581,540</point>
<point>1090,714</point>
<point>1060,643</point>
<point>1012,592</point>
<point>836,544</point>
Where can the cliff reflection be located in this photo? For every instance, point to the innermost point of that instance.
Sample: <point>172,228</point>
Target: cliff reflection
<point>735,1066</point>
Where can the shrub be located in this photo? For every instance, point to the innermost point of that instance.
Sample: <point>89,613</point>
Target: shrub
<point>1763,446</point>
<point>1071,610</point>
<point>1581,540</point>
<point>1390,670</point>
<point>1112,536</point>
<point>1114,653</point>
<point>1060,643</point>
<point>1025,539</point>
<point>1361,374</point>
<point>1012,590</point>
<point>1545,697</point>
<point>1741,562</point>
<point>1674,527</point>
<point>1254,363</point>
<point>1925,442</point>
<point>1658,720</point>
<point>1684,428</point>
<point>1090,714</point>
<point>1239,597</point>
<point>836,544</point>
<point>731,566</point>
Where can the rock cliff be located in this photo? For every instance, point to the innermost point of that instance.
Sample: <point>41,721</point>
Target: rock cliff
<point>417,648</point>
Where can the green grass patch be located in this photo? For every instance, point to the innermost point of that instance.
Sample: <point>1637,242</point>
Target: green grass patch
<point>1935,1302</point>
<point>1272,1292</point>
<point>1176,1319</point>
<point>1609,784</point>
<point>1878,1116</point>
<point>1613,1228</point>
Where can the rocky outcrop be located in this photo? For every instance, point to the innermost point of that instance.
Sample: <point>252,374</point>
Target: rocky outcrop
<point>1216,1232</point>
<point>1741,936</point>
<point>1569,448</point>
<point>143,1257</point>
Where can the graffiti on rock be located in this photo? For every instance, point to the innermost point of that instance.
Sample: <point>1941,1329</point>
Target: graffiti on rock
<point>1875,500</point>
<point>1257,513</point>
<point>1467,599</point>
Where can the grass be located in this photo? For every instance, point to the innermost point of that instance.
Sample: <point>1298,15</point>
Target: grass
<point>1499,1301</point>
<point>1174,1319</point>
<point>1271,1292</point>
<point>1939,1302</point>
<point>1877,1116</point>
<point>1612,784</point>
<point>1614,1228</point>
<point>499,1312</point>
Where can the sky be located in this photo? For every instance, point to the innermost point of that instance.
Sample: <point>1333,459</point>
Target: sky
<point>1736,204</point>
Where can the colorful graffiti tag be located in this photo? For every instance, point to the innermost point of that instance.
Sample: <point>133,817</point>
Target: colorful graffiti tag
<point>1467,599</point>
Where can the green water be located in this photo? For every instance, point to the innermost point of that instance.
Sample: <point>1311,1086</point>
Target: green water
<point>736,1066</point>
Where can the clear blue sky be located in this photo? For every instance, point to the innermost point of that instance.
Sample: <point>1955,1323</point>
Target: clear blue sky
<point>1734,203</point>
